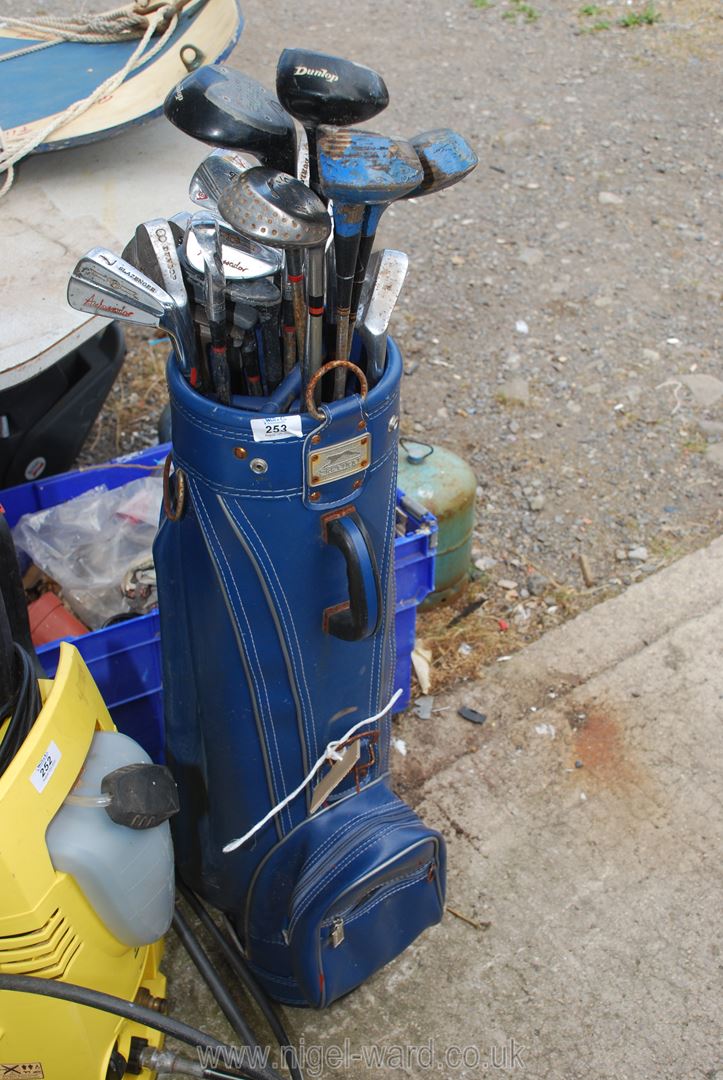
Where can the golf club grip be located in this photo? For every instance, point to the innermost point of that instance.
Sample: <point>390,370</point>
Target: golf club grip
<point>273,368</point>
<point>365,249</point>
<point>220,372</point>
<point>13,595</point>
<point>362,616</point>
<point>286,392</point>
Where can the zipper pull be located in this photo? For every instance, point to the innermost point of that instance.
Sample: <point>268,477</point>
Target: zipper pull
<point>337,932</point>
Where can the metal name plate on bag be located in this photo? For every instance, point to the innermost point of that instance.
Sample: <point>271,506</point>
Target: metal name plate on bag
<point>339,460</point>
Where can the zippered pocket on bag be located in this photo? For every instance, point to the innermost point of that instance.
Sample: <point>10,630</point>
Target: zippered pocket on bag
<point>335,926</point>
<point>350,841</point>
<point>368,910</point>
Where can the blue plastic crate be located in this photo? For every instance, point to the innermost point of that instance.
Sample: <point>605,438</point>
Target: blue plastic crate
<point>125,659</point>
<point>414,575</point>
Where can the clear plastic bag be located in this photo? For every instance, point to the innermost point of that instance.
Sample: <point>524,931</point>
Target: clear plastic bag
<point>91,544</point>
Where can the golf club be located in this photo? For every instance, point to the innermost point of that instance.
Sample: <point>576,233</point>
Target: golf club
<point>225,108</point>
<point>445,158</point>
<point>157,256</point>
<point>272,207</point>
<point>320,89</point>
<point>358,169</point>
<point>215,173</point>
<point>385,277</point>
<point>126,282</point>
<point>204,228</point>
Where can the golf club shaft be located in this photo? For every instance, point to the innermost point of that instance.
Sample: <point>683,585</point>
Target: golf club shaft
<point>295,277</point>
<point>315,334</point>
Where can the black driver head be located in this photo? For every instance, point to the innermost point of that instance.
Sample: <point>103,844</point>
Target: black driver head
<point>223,107</point>
<point>320,89</point>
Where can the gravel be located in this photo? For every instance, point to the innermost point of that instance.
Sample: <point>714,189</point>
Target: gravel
<point>560,325</point>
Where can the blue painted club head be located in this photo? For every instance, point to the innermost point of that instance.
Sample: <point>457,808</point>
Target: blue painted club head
<point>445,158</point>
<point>363,167</point>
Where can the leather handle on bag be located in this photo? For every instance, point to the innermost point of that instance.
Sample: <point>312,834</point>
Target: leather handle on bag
<point>360,616</point>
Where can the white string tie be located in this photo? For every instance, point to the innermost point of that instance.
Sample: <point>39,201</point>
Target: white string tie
<point>330,754</point>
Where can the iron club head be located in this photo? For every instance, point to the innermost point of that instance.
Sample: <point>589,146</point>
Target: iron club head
<point>156,254</point>
<point>127,283</point>
<point>215,173</point>
<point>93,299</point>
<point>385,277</point>
<point>242,258</point>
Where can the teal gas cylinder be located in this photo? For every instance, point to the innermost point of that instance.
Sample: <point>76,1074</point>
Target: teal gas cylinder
<point>444,484</point>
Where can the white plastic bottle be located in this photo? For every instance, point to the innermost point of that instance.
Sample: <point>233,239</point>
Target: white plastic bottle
<point>125,874</point>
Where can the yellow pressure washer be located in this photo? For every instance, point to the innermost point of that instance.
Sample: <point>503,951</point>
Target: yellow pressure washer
<point>87,886</point>
<point>48,927</point>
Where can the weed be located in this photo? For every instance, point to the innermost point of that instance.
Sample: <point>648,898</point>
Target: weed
<point>590,9</point>
<point>518,8</point>
<point>647,17</point>
<point>482,4</point>
<point>696,444</point>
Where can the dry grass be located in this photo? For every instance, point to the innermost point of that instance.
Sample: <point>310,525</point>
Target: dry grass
<point>489,622</point>
<point>464,635</point>
<point>129,418</point>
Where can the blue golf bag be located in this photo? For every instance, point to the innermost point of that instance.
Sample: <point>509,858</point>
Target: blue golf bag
<point>276,592</point>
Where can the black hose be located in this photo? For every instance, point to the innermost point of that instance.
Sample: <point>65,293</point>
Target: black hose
<point>22,707</point>
<point>13,594</point>
<point>212,978</point>
<point>94,999</point>
<point>239,967</point>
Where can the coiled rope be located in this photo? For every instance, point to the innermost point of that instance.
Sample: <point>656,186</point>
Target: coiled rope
<point>142,19</point>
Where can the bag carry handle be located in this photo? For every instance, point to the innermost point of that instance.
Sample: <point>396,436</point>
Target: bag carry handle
<point>361,615</point>
<point>318,375</point>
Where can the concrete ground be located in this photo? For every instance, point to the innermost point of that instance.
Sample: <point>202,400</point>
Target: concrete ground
<point>584,849</point>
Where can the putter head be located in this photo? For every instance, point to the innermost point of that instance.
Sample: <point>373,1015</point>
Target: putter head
<point>215,173</point>
<point>385,277</point>
<point>274,208</point>
<point>256,293</point>
<point>363,167</point>
<point>446,158</point>
<point>320,89</point>
<point>226,108</point>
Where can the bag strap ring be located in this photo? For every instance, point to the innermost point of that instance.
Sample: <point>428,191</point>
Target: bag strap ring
<point>313,381</point>
<point>173,501</point>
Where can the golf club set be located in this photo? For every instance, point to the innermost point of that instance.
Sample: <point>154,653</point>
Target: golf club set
<point>272,286</point>
<point>275,552</point>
